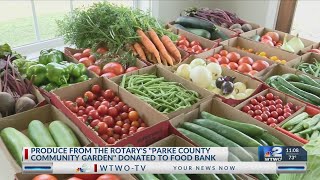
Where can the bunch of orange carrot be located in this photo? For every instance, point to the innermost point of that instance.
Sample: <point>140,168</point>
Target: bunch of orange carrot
<point>156,50</point>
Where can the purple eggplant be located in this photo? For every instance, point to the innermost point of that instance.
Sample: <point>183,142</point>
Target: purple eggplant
<point>219,82</point>
<point>227,87</point>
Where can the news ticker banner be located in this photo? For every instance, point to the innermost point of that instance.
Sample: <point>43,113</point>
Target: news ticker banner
<point>139,160</point>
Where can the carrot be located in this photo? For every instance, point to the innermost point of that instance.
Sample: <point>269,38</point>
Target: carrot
<point>140,51</point>
<point>163,59</point>
<point>133,50</point>
<point>149,45</point>
<point>156,40</point>
<point>171,47</point>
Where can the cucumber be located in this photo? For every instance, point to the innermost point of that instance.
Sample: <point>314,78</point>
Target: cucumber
<point>308,80</point>
<point>241,153</point>
<point>306,87</point>
<point>271,140</point>
<point>217,34</point>
<point>315,134</point>
<point>308,137</point>
<point>261,141</point>
<point>197,138</point>
<point>193,22</point>
<point>310,130</point>
<point>299,127</point>
<point>200,32</point>
<point>296,120</point>
<point>291,77</point>
<point>175,176</point>
<point>272,176</point>
<point>249,129</point>
<point>228,132</point>
<point>205,177</point>
<point>40,135</point>
<point>63,135</point>
<point>313,121</point>
<point>146,177</point>
<point>260,176</point>
<point>226,176</point>
<point>15,141</point>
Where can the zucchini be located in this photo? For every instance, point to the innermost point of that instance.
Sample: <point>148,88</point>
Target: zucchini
<point>240,152</point>
<point>288,91</point>
<point>226,176</point>
<point>193,22</point>
<point>291,77</point>
<point>308,80</point>
<point>217,34</point>
<point>228,132</point>
<point>272,176</point>
<point>197,138</point>
<point>306,87</point>
<point>63,135</point>
<point>15,141</point>
<point>310,130</point>
<point>315,134</point>
<point>200,32</point>
<point>249,129</point>
<point>313,121</point>
<point>40,135</point>
<point>175,176</point>
<point>271,140</point>
<point>146,177</point>
<point>260,176</point>
<point>296,120</point>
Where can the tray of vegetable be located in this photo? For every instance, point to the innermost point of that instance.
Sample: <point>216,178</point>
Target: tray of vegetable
<point>106,114</point>
<point>260,49</point>
<point>16,94</point>
<point>236,60</point>
<point>278,39</point>
<point>51,129</point>
<point>308,63</point>
<point>162,90</point>
<point>271,107</point>
<point>221,18</point>
<point>230,86</point>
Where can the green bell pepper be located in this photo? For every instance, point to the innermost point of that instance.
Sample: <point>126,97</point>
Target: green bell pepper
<point>81,79</point>
<point>78,70</point>
<point>50,87</point>
<point>23,65</point>
<point>37,73</point>
<point>50,55</point>
<point>57,73</point>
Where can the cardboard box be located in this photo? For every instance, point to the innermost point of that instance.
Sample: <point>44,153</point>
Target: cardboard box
<point>306,49</point>
<point>172,141</point>
<point>247,80</point>
<point>151,117</point>
<point>45,114</point>
<point>285,99</point>
<point>221,109</point>
<point>20,176</point>
<point>169,76</point>
<point>262,31</point>
<point>259,47</point>
<point>275,69</point>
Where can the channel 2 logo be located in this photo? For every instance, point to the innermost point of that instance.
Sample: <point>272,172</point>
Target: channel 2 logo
<point>272,153</point>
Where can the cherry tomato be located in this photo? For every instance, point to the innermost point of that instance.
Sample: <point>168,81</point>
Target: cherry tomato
<point>102,110</point>
<point>80,113</point>
<point>111,140</point>
<point>183,42</point>
<point>94,114</point>
<point>94,123</point>
<point>264,109</point>
<point>116,136</point>
<point>270,121</point>
<point>267,113</point>
<point>272,108</point>
<point>133,116</point>
<point>279,106</point>
<point>116,99</point>
<point>80,101</point>
<point>78,56</point>
<point>96,89</point>
<point>117,129</point>
<point>246,108</point>
<point>108,176</point>
<point>85,61</point>
<point>102,50</point>
<point>264,103</point>
<point>88,96</point>
<point>110,132</point>
<point>96,104</point>
<point>260,98</point>
<point>108,75</point>
<point>257,107</point>
<point>259,118</point>
<point>102,128</point>
<point>135,123</point>
<point>113,67</point>
<point>280,119</point>
<point>269,96</point>
<point>112,104</point>
<point>73,107</point>
<point>279,111</point>
<point>212,59</point>
<point>106,103</point>
<point>109,121</point>
<point>287,110</point>
<point>124,115</point>
<point>251,106</point>
<point>272,102</point>
<point>126,126</point>
<point>290,104</point>
<point>95,69</point>
<point>274,114</point>
<point>112,111</point>
<point>264,116</point>
<point>286,115</point>
<point>251,112</point>
<point>254,102</point>
<point>278,101</point>
<point>131,69</point>
<point>108,94</point>
<point>133,128</point>
<point>44,177</point>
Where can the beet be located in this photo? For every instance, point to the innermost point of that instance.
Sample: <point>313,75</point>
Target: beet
<point>24,104</point>
<point>31,96</point>
<point>7,103</point>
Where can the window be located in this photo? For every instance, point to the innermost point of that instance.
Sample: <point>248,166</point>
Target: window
<point>31,24</point>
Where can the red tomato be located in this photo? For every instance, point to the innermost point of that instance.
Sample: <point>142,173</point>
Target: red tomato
<point>216,56</point>
<point>225,65</point>
<point>182,37</point>
<point>268,42</point>
<point>233,57</point>
<point>94,114</point>
<point>109,75</point>
<point>264,116</point>
<point>44,177</point>
<point>133,116</point>
<point>131,69</point>
<point>278,101</point>
<point>259,118</point>
<point>251,113</point>
<point>96,89</point>
<point>253,72</point>
<point>212,59</point>
<point>194,43</point>
<point>274,36</point>
<point>260,65</point>
<point>246,108</point>
<point>102,110</point>
<point>117,129</point>
<point>280,119</point>
<point>271,120</point>
<point>198,51</point>
<point>196,48</point>
<point>86,52</point>
<point>260,98</point>
<point>101,128</point>
<point>88,96</point>
<point>111,140</point>
<point>92,58</point>
<point>245,59</point>
<point>101,50</point>
<point>272,108</point>
<point>78,56</point>
<point>74,178</point>
<point>109,177</point>
<point>85,61</point>
<point>109,121</point>
<point>233,65</point>
<point>88,109</point>
<point>244,68</point>
<point>266,37</point>
<point>279,111</point>
<point>80,101</point>
<point>223,52</point>
<point>135,124</point>
<point>112,111</point>
<point>274,114</point>
<point>269,96</point>
<point>108,94</point>
<point>223,60</point>
<point>96,69</point>
<point>183,42</point>
<point>113,67</point>
<point>183,47</point>
<point>286,115</point>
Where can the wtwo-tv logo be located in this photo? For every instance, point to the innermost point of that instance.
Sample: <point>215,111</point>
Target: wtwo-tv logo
<point>272,153</point>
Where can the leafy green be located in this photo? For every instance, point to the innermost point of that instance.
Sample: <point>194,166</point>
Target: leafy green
<point>313,164</point>
<point>5,51</point>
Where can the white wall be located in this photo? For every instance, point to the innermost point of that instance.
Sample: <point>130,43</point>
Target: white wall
<point>263,12</point>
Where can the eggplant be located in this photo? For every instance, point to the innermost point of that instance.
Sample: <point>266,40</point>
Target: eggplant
<point>227,87</point>
<point>229,78</point>
<point>219,82</point>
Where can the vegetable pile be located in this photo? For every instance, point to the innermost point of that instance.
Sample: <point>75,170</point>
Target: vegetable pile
<point>58,134</point>
<point>313,69</point>
<point>50,71</point>
<point>104,112</point>
<point>209,76</point>
<point>304,126</point>
<point>269,109</point>
<point>190,47</point>
<point>233,60</point>
<point>220,17</point>
<point>79,177</point>
<point>300,86</point>
<point>264,54</point>
<point>164,96</point>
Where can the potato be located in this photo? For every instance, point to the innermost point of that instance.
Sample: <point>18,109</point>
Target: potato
<point>24,104</point>
<point>7,104</point>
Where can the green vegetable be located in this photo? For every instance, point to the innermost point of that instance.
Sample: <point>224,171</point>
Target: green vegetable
<point>15,141</point>
<point>313,121</point>
<point>197,138</point>
<point>57,73</point>
<point>63,135</point>
<point>78,70</point>
<point>260,176</point>
<point>308,80</point>
<point>228,132</point>
<point>308,88</point>
<point>81,79</point>
<point>200,32</point>
<point>291,77</point>
<point>288,91</point>
<point>50,55</point>
<point>271,140</point>
<point>241,153</point>
<point>299,127</point>
<point>146,177</point>
<point>175,177</point>
<point>296,120</point>
<point>249,129</point>
<point>310,130</point>
<point>272,176</point>
<point>205,177</point>
<point>40,135</point>
<point>49,87</point>
<point>261,141</point>
<point>37,73</point>
<point>23,65</point>
<point>226,176</point>
<point>315,134</point>
<point>313,69</point>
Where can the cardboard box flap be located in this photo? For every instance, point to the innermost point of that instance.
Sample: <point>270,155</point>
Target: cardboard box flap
<point>276,70</point>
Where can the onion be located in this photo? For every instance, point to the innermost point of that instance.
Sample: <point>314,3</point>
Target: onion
<point>184,71</point>
<point>201,76</point>
<point>240,87</point>
<point>197,62</point>
<point>215,70</point>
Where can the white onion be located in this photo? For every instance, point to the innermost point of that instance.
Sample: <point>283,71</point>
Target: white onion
<point>239,87</point>
<point>215,69</point>
<point>184,71</point>
<point>201,76</point>
<point>197,62</point>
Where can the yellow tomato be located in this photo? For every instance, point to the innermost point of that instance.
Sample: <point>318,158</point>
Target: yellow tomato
<point>278,61</point>
<point>283,61</point>
<point>262,54</point>
<point>250,50</point>
<point>274,58</point>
